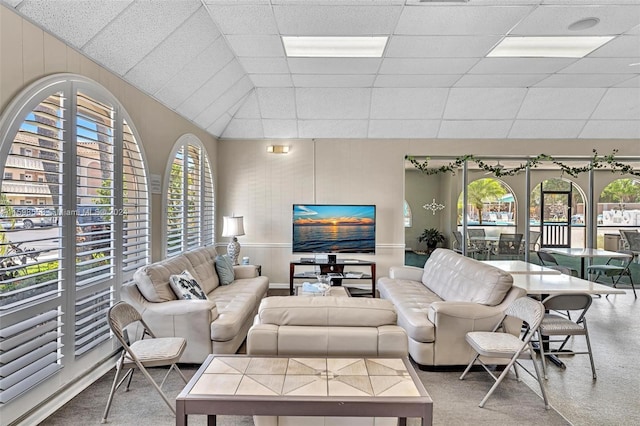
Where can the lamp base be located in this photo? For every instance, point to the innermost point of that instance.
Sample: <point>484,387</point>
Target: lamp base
<point>233,250</point>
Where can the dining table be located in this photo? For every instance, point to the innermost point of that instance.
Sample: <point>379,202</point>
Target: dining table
<point>519,267</point>
<point>583,254</point>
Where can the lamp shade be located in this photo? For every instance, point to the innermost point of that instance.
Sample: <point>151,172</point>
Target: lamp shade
<point>232,226</point>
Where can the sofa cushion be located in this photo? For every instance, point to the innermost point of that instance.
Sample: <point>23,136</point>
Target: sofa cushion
<point>224,267</point>
<point>412,301</point>
<point>153,280</point>
<point>234,310</point>
<point>462,279</point>
<point>326,311</point>
<point>186,287</point>
<point>203,265</point>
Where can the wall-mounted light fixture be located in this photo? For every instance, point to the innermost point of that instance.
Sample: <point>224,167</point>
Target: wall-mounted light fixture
<point>278,149</point>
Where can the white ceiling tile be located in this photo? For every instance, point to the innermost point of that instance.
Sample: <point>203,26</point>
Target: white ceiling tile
<point>560,103</point>
<point>619,104</point>
<point>483,103</point>
<point>261,46</point>
<point>316,20</point>
<point>440,46</point>
<point>347,104</point>
<point>601,65</point>
<point>555,20</point>
<point>429,80</point>
<point>546,129</point>
<point>499,80</point>
<point>250,107</point>
<point>265,65</point>
<point>427,65</point>
<point>474,129</point>
<point>194,74</point>
<point>136,31</point>
<point>583,80</point>
<point>333,80</point>
<point>13,3</point>
<point>177,50</point>
<point>73,21</point>
<point>217,128</point>
<point>459,20</point>
<point>635,30</point>
<point>244,19</point>
<point>276,102</point>
<point>225,103</point>
<point>622,46</point>
<point>630,82</point>
<point>332,128</point>
<point>243,129</point>
<point>334,65</point>
<point>408,103</point>
<point>611,129</point>
<point>271,80</point>
<point>280,128</point>
<point>520,65</point>
<point>212,89</point>
<point>403,128</point>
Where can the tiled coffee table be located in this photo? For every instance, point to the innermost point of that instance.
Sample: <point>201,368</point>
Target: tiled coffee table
<point>299,386</point>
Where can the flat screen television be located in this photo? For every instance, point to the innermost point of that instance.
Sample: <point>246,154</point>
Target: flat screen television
<point>334,228</point>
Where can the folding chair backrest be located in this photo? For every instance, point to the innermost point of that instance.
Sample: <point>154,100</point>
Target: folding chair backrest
<point>120,316</point>
<point>632,240</point>
<point>547,258</point>
<point>528,310</point>
<point>568,302</point>
<point>534,237</point>
<point>479,232</point>
<point>458,237</point>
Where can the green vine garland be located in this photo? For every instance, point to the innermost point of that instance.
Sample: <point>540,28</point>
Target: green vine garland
<point>597,162</point>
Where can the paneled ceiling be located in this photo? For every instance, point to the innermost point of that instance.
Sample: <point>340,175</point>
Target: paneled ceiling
<point>222,65</point>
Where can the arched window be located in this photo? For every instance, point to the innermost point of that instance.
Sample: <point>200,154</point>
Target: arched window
<point>189,202</point>
<point>74,225</point>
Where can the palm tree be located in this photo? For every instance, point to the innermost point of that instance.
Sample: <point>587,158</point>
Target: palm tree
<point>482,191</point>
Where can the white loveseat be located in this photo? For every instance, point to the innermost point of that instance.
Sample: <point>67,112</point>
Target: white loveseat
<point>217,325</point>
<point>327,327</point>
<point>438,304</point>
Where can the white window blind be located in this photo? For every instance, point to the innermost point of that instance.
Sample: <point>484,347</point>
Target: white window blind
<point>190,203</point>
<point>74,225</point>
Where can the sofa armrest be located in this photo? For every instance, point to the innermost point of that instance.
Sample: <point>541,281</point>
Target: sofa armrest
<point>245,271</point>
<point>262,339</point>
<point>412,273</point>
<point>466,310</point>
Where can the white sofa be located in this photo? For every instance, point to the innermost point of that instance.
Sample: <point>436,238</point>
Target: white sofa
<point>328,327</point>
<point>217,325</point>
<point>438,304</point>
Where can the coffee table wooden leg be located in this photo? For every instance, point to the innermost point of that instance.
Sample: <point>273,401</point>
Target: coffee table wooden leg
<point>402,421</point>
<point>211,420</point>
<point>181,417</point>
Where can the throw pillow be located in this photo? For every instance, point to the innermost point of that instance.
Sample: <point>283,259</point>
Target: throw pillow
<point>224,268</point>
<point>186,287</point>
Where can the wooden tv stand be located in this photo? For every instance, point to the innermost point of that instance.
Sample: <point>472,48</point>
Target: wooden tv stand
<point>338,267</point>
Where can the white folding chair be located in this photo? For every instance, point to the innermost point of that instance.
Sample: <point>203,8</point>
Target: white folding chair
<point>558,324</point>
<point>150,352</point>
<point>500,344</point>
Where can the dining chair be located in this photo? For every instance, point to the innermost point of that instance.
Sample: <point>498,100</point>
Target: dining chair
<point>615,268</point>
<point>150,352</point>
<point>631,241</point>
<point>558,322</point>
<point>549,261</point>
<point>472,250</point>
<point>500,344</point>
<point>509,245</point>
<point>480,244</point>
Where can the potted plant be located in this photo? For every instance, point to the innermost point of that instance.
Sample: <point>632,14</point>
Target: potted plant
<point>431,237</point>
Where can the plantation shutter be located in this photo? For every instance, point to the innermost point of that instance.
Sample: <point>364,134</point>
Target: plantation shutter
<point>30,343</point>
<point>190,203</point>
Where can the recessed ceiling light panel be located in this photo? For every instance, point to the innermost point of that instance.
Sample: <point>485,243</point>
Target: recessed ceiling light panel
<point>334,47</point>
<point>547,47</point>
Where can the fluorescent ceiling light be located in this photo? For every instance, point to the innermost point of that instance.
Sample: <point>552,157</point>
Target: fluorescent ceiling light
<point>547,47</point>
<point>335,47</point>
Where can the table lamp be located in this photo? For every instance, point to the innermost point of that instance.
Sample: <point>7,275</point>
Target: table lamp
<point>233,227</point>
